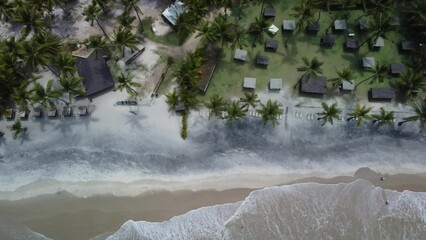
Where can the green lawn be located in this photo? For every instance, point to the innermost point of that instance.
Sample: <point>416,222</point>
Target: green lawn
<point>228,77</point>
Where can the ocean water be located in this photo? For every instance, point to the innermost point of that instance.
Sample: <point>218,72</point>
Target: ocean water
<point>356,210</point>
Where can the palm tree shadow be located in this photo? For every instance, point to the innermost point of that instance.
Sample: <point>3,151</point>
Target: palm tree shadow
<point>24,137</point>
<point>64,125</point>
<point>87,120</point>
<point>43,123</point>
<point>2,141</point>
<point>134,119</point>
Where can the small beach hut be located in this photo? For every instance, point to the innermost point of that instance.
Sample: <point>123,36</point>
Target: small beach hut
<point>382,94</point>
<point>67,112</point>
<point>313,28</point>
<point>273,29</point>
<point>249,83</point>
<point>368,62</point>
<point>271,44</point>
<point>340,24</point>
<point>380,42</point>
<point>397,68</point>
<point>347,86</point>
<point>351,44</point>
<point>275,84</point>
<point>408,46</point>
<point>289,25</point>
<point>240,55</point>
<point>269,13</point>
<point>314,85</point>
<point>262,60</point>
<point>22,114</point>
<point>328,40</point>
<point>364,24</point>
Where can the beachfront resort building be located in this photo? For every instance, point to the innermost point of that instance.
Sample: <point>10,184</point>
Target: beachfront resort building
<point>92,67</point>
<point>172,13</point>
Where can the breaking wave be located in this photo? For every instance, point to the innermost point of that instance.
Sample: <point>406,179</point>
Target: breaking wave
<point>356,210</point>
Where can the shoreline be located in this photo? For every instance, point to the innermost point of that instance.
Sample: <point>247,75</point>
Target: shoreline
<point>84,218</point>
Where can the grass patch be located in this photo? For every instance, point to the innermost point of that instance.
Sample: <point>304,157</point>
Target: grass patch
<point>228,77</point>
<point>170,38</point>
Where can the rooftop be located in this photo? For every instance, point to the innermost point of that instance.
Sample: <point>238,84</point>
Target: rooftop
<point>273,29</point>
<point>269,12</point>
<point>95,72</point>
<point>315,85</point>
<point>173,11</point>
<point>289,25</point>
<point>271,44</point>
<point>364,24</point>
<point>351,43</point>
<point>275,84</point>
<point>408,45</point>
<point>240,54</point>
<point>380,42</point>
<point>340,24</point>
<point>249,83</point>
<point>262,60</point>
<point>368,62</point>
<point>397,68</point>
<point>348,85</point>
<point>382,93</point>
<point>313,27</point>
<point>328,39</point>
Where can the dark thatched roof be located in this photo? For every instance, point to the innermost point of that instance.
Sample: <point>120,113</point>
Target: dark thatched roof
<point>262,60</point>
<point>382,93</point>
<point>271,44</point>
<point>95,73</point>
<point>315,85</point>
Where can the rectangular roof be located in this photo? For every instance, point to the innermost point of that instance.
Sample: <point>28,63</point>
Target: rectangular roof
<point>316,85</point>
<point>397,68</point>
<point>95,73</point>
<point>240,54</point>
<point>340,24</point>
<point>269,12</point>
<point>380,42</point>
<point>289,25</point>
<point>408,45</point>
<point>271,44</point>
<point>262,60</point>
<point>368,62</point>
<point>275,84</point>
<point>173,11</point>
<point>364,24</point>
<point>249,83</point>
<point>382,93</point>
<point>348,85</point>
<point>351,43</point>
<point>328,39</point>
<point>313,27</point>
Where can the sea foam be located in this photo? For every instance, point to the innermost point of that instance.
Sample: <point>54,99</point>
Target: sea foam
<point>356,210</point>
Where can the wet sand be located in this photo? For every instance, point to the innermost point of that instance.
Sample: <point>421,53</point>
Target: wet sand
<point>65,216</point>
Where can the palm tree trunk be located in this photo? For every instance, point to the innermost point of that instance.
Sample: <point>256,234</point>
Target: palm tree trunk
<point>55,73</point>
<point>364,80</point>
<point>402,122</point>
<point>348,119</point>
<point>137,14</point>
<point>103,30</point>
<point>319,16</point>
<point>261,8</point>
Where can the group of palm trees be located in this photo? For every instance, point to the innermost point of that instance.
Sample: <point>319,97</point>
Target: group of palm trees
<point>362,113</point>
<point>36,48</point>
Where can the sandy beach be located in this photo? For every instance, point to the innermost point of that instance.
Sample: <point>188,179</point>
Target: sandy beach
<point>65,216</point>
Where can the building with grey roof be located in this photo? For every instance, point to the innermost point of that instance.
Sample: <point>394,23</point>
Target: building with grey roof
<point>397,68</point>
<point>313,27</point>
<point>262,60</point>
<point>289,25</point>
<point>249,83</point>
<point>408,46</point>
<point>94,71</point>
<point>172,13</point>
<point>382,94</point>
<point>315,85</point>
<point>380,42</point>
<point>364,24</point>
<point>240,54</point>
<point>347,86</point>
<point>368,62</point>
<point>328,40</point>
<point>340,24</point>
<point>351,44</point>
<point>275,84</point>
<point>269,12</point>
<point>271,44</point>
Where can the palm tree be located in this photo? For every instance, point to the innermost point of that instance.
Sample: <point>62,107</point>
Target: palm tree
<point>234,112</point>
<point>103,4</point>
<point>329,113</point>
<point>92,13</point>
<point>31,18</point>
<point>6,9</point>
<point>98,43</point>
<point>132,4</point>
<point>222,29</point>
<point>216,104</point>
<point>126,21</point>
<point>206,32</point>
<point>416,16</point>
<point>270,112</point>
<point>36,52</point>
<point>17,129</point>
<point>45,96</point>
<point>22,96</point>
<point>384,118</point>
<point>262,2</point>
<point>360,113</point>
<point>71,85</point>
<point>65,63</point>
<point>259,27</point>
<point>380,73</point>
<point>124,38</point>
<point>125,81</point>
<point>410,84</point>
<point>304,13</point>
<point>419,115</point>
<point>240,4</point>
<point>346,74</point>
<point>239,38</point>
<point>379,8</point>
<point>172,99</point>
<point>379,28</point>
<point>249,99</point>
